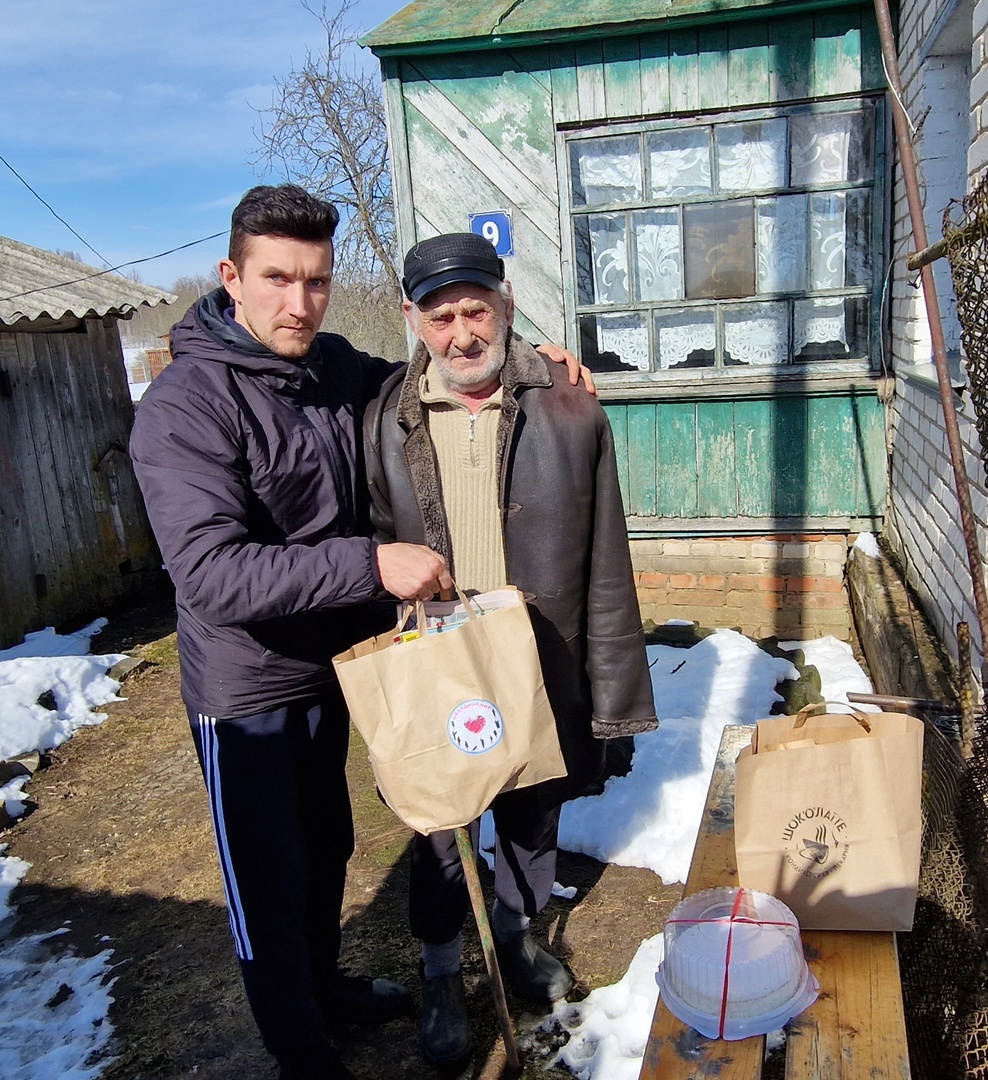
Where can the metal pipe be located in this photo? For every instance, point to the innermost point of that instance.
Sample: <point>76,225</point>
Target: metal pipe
<point>895,701</point>
<point>907,159</point>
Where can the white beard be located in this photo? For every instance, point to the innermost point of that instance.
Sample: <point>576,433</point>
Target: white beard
<point>459,382</point>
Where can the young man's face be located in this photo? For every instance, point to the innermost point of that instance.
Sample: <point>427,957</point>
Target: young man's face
<point>281,291</point>
<point>464,327</point>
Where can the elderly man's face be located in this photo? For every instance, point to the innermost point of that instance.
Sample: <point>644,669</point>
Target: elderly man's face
<point>281,291</point>
<point>465,328</point>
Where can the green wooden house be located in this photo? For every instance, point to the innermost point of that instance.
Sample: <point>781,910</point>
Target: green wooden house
<point>691,194</point>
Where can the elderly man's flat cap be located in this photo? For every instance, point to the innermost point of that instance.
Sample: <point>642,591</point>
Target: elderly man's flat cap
<point>442,260</point>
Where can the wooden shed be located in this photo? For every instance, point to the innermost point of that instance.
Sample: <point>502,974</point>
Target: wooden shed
<point>73,533</point>
<point>692,195</point>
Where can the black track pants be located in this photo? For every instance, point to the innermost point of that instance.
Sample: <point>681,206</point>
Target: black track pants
<point>284,832</point>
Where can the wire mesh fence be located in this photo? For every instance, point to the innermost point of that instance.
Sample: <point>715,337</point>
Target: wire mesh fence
<point>944,960</point>
<point>965,231</point>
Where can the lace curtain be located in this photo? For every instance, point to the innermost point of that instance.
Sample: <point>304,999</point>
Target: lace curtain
<point>743,248</point>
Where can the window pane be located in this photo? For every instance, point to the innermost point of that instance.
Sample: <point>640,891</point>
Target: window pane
<point>685,338</point>
<point>757,334</point>
<point>606,171</point>
<point>751,156</point>
<point>614,342</point>
<point>719,250</point>
<point>830,328</point>
<point>782,244</point>
<point>840,235</point>
<point>679,162</point>
<point>602,259</point>
<point>840,239</point>
<point>658,258</point>
<point>831,148</point>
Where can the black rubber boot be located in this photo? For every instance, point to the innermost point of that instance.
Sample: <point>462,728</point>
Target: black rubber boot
<point>531,971</point>
<point>444,1030</point>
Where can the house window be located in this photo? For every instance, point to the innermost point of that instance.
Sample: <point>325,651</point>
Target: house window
<point>745,242</point>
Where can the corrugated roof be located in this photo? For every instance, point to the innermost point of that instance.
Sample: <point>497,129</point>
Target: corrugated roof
<point>36,283</point>
<point>478,23</point>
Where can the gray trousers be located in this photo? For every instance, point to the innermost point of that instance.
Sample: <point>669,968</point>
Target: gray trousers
<point>526,824</point>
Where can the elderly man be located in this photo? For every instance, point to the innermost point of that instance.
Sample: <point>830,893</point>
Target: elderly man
<point>247,451</point>
<point>480,453</point>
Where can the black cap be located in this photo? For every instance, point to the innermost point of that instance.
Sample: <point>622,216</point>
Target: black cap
<point>441,260</point>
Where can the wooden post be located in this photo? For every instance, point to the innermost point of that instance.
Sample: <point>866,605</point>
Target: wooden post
<point>469,861</point>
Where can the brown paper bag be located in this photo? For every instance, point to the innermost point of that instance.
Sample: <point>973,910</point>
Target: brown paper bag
<point>453,718</point>
<point>827,816</point>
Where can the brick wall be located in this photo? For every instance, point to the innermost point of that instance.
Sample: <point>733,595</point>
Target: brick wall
<point>923,524</point>
<point>977,158</point>
<point>786,586</point>
<point>159,359</point>
<point>945,85</point>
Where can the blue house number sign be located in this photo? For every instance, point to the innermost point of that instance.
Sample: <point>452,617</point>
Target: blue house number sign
<point>495,226</point>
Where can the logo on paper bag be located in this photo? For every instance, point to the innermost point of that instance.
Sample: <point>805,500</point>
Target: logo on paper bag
<point>475,726</point>
<point>815,841</point>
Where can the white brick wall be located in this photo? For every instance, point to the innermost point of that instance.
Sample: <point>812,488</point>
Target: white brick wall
<point>924,521</point>
<point>946,97</point>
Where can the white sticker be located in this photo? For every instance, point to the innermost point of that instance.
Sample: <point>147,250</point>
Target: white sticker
<point>475,726</point>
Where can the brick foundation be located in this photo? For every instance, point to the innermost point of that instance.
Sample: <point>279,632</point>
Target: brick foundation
<point>787,586</point>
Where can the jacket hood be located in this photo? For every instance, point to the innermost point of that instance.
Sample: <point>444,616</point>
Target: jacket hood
<point>206,328</point>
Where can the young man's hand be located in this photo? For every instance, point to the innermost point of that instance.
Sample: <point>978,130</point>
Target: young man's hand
<point>411,571</point>
<point>574,369</point>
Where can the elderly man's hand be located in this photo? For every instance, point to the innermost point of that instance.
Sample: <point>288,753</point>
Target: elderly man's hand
<point>411,571</point>
<point>574,369</point>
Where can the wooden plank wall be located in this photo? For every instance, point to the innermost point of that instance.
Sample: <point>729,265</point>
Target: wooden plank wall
<point>476,131</point>
<point>72,522</point>
<point>792,456</point>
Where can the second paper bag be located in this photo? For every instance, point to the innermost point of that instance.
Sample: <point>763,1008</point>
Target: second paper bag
<point>828,818</point>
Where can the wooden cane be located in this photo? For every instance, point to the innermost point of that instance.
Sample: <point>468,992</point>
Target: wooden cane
<point>469,861</point>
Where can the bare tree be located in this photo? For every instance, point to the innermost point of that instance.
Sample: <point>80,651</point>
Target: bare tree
<point>150,326</point>
<point>326,132</point>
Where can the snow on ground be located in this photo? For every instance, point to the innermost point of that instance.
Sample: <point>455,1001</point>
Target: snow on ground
<point>648,818</point>
<point>53,1003</point>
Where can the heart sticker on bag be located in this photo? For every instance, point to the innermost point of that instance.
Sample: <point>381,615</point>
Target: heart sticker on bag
<point>475,726</point>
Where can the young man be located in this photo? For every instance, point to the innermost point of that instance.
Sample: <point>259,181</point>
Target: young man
<point>482,454</point>
<point>245,450</point>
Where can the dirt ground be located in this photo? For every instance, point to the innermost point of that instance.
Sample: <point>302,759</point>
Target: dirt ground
<point>121,849</point>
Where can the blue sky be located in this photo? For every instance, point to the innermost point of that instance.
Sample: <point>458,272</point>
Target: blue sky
<point>135,119</point>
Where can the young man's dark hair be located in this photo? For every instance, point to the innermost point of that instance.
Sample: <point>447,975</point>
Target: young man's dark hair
<point>282,210</point>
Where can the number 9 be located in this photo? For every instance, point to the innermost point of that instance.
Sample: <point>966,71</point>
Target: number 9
<point>491,232</point>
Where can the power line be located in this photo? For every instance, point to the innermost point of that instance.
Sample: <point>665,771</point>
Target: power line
<point>114,269</point>
<point>48,205</point>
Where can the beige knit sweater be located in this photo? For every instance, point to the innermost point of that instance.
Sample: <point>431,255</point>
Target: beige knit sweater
<point>465,445</point>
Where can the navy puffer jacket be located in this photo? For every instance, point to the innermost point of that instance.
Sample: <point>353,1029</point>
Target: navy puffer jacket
<point>253,479</point>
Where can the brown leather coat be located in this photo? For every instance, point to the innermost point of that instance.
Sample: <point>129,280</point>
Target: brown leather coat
<point>565,537</point>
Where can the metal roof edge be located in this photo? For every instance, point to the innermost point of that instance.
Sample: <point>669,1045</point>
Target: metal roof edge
<point>703,14</point>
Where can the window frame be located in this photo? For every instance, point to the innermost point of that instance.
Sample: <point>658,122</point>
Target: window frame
<point>754,375</point>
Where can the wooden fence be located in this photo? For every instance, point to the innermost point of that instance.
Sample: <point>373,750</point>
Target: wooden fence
<point>74,536</point>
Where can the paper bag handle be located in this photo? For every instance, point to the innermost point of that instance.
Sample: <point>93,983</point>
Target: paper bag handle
<point>813,706</point>
<point>419,608</point>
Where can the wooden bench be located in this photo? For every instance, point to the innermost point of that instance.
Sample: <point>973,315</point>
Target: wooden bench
<point>855,1030</point>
